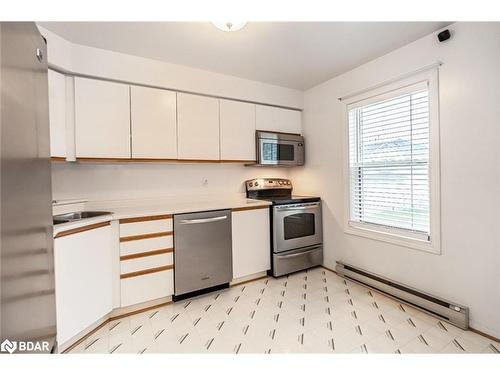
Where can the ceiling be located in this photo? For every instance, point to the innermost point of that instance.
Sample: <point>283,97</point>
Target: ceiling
<point>297,55</point>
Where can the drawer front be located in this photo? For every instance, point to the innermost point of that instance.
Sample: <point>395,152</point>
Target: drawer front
<point>145,245</point>
<point>139,264</point>
<point>145,227</point>
<point>297,260</point>
<point>147,287</point>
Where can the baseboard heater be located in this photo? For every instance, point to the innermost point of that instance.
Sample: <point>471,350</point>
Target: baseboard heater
<point>445,310</point>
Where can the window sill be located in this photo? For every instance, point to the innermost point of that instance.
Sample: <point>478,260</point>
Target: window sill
<point>379,235</point>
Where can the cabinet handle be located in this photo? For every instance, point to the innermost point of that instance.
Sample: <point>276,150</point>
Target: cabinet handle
<point>202,221</point>
<point>297,208</point>
<point>298,254</point>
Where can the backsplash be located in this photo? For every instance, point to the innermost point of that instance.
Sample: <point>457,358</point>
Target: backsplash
<point>145,180</point>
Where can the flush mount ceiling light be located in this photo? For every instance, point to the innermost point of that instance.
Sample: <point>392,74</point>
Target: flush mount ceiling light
<point>229,26</point>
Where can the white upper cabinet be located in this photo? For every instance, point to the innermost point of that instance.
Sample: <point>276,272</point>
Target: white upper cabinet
<point>153,122</point>
<point>102,119</point>
<point>57,113</point>
<point>237,130</point>
<point>278,119</point>
<point>197,127</point>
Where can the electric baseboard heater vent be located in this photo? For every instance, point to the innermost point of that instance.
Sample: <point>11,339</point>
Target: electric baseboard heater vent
<point>448,311</point>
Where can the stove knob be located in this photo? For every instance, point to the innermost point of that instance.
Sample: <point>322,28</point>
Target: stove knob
<point>256,183</point>
<point>251,184</point>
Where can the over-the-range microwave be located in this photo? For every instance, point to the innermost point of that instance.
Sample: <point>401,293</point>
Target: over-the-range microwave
<point>279,149</point>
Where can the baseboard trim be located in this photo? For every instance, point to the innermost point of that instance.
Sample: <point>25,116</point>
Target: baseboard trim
<point>496,339</point>
<point>66,348</point>
<point>329,269</point>
<point>123,312</point>
<point>248,279</point>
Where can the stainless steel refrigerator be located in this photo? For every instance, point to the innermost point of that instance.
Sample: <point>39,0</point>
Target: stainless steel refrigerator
<point>26,246</point>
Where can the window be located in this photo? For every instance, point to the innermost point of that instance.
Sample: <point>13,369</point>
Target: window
<point>392,194</point>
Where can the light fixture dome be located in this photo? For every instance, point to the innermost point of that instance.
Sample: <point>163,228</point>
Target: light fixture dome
<point>229,26</point>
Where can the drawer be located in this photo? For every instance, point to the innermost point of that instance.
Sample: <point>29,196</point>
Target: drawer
<point>147,287</point>
<point>139,264</point>
<point>297,260</point>
<point>145,245</point>
<point>129,227</point>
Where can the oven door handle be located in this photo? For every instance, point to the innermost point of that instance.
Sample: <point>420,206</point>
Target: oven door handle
<point>301,208</point>
<point>298,254</point>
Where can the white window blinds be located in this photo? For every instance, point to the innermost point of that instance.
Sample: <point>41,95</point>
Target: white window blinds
<point>389,161</point>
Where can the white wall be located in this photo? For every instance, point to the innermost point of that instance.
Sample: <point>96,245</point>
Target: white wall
<point>149,180</point>
<point>76,58</point>
<point>468,269</point>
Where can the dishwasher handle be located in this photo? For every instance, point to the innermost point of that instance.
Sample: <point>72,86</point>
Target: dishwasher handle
<point>203,221</point>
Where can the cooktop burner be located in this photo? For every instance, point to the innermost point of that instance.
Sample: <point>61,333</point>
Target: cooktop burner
<point>276,190</point>
<point>290,199</point>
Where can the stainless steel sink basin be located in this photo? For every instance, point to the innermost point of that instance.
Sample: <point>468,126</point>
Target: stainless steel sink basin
<point>75,216</point>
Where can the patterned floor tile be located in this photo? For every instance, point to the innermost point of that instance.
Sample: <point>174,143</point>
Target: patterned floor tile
<point>314,311</point>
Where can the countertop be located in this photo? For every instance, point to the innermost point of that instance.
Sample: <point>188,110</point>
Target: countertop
<point>122,209</point>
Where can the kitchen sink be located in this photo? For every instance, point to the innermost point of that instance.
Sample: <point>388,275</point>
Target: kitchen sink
<point>75,216</point>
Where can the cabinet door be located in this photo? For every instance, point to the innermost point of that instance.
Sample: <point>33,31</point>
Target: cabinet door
<point>153,123</point>
<point>251,242</point>
<point>237,130</point>
<point>83,278</point>
<point>278,119</point>
<point>197,127</point>
<point>57,113</point>
<point>102,119</point>
<point>147,287</point>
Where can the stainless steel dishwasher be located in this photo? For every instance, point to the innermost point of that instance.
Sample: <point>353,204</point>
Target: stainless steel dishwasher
<point>203,252</point>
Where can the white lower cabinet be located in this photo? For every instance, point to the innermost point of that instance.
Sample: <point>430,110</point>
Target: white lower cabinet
<point>147,287</point>
<point>83,279</point>
<point>251,242</point>
<point>146,259</point>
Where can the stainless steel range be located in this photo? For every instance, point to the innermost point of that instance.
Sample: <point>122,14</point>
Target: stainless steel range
<point>296,226</point>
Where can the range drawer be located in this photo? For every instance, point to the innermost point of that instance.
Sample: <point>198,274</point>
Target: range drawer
<point>146,262</point>
<point>147,287</point>
<point>297,260</point>
<point>146,245</point>
<point>145,225</point>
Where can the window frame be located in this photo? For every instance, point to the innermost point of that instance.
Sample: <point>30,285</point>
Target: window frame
<point>391,235</point>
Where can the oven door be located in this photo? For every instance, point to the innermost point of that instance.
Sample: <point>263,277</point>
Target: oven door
<point>280,152</point>
<point>296,225</point>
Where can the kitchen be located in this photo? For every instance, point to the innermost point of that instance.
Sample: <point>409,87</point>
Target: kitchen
<point>203,207</point>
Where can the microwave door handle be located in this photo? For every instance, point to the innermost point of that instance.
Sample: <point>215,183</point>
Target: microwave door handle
<point>202,221</point>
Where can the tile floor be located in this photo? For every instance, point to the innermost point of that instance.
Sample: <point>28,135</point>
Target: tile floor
<point>314,311</point>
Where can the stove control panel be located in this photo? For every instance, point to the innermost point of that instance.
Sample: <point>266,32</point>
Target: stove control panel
<point>268,183</point>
